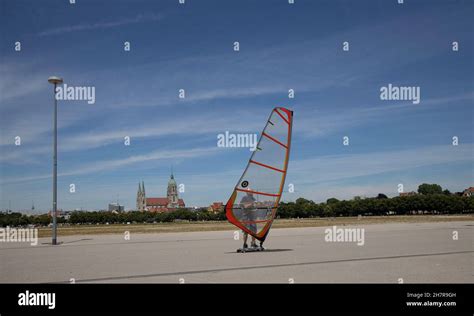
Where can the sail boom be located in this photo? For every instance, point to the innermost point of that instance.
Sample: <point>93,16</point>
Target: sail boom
<point>257,192</point>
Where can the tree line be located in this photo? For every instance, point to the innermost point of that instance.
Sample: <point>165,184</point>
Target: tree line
<point>431,199</point>
<point>144,217</point>
<point>18,219</point>
<point>403,205</point>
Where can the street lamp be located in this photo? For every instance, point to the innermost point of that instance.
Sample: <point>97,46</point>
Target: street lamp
<point>55,80</point>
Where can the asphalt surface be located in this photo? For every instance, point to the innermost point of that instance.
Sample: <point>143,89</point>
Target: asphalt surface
<point>391,253</point>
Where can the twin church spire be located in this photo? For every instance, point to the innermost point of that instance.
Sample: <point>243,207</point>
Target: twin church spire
<point>170,202</point>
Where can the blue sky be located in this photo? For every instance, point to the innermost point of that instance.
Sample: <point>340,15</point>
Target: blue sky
<point>282,46</point>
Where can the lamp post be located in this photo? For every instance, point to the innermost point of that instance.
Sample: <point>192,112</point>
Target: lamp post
<point>55,81</point>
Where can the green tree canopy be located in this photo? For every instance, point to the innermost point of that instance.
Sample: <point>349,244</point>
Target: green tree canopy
<point>427,189</point>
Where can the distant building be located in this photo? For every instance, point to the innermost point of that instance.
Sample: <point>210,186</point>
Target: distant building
<point>115,207</point>
<point>468,192</point>
<point>59,213</point>
<point>216,207</point>
<point>160,204</point>
<point>66,215</point>
<point>408,193</point>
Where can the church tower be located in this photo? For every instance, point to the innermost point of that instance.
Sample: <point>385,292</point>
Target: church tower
<point>172,193</point>
<point>141,197</point>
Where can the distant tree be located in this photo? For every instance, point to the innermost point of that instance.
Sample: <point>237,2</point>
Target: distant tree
<point>446,192</point>
<point>332,201</point>
<point>43,219</point>
<point>328,211</point>
<point>381,196</point>
<point>303,201</point>
<point>468,204</point>
<point>427,189</point>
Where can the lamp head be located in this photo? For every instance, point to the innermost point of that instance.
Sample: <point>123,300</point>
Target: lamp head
<point>55,80</point>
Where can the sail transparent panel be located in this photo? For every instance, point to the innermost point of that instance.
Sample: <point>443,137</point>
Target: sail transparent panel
<point>254,211</point>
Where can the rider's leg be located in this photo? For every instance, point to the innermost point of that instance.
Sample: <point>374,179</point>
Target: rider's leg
<point>246,235</point>
<point>254,242</point>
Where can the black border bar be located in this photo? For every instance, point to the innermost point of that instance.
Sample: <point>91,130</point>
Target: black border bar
<point>242,299</point>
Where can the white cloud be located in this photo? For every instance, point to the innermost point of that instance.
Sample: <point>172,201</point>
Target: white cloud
<point>197,125</point>
<point>313,123</point>
<point>338,167</point>
<point>113,164</point>
<point>147,17</point>
<point>19,79</point>
<point>235,93</point>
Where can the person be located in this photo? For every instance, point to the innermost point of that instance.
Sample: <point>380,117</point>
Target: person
<point>249,214</point>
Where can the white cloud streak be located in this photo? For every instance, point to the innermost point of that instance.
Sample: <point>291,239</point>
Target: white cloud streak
<point>346,166</point>
<point>146,17</point>
<point>107,165</point>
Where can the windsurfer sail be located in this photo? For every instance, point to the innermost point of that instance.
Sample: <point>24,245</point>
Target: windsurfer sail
<point>253,204</point>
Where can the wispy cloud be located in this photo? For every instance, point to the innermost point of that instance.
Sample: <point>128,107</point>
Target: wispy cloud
<point>236,93</point>
<point>14,83</point>
<point>442,100</point>
<point>346,166</point>
<point>197,126</point>
<point>146,17</point>
<point>194,96</point>
<point>113,164</point>
<point>348,175</point>
<point>311,122</point>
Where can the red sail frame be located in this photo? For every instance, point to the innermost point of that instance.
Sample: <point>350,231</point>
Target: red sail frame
<point>287,117</point>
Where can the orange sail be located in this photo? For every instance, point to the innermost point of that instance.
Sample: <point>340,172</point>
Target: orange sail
<point>253,204</point>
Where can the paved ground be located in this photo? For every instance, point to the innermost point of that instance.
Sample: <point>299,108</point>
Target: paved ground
<point>413,252</point>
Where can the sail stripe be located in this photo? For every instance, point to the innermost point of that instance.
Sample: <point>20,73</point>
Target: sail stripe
<point>257,192</point>
<point>284,118</point>
<point>274,139</point>
<point>266,166</point>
